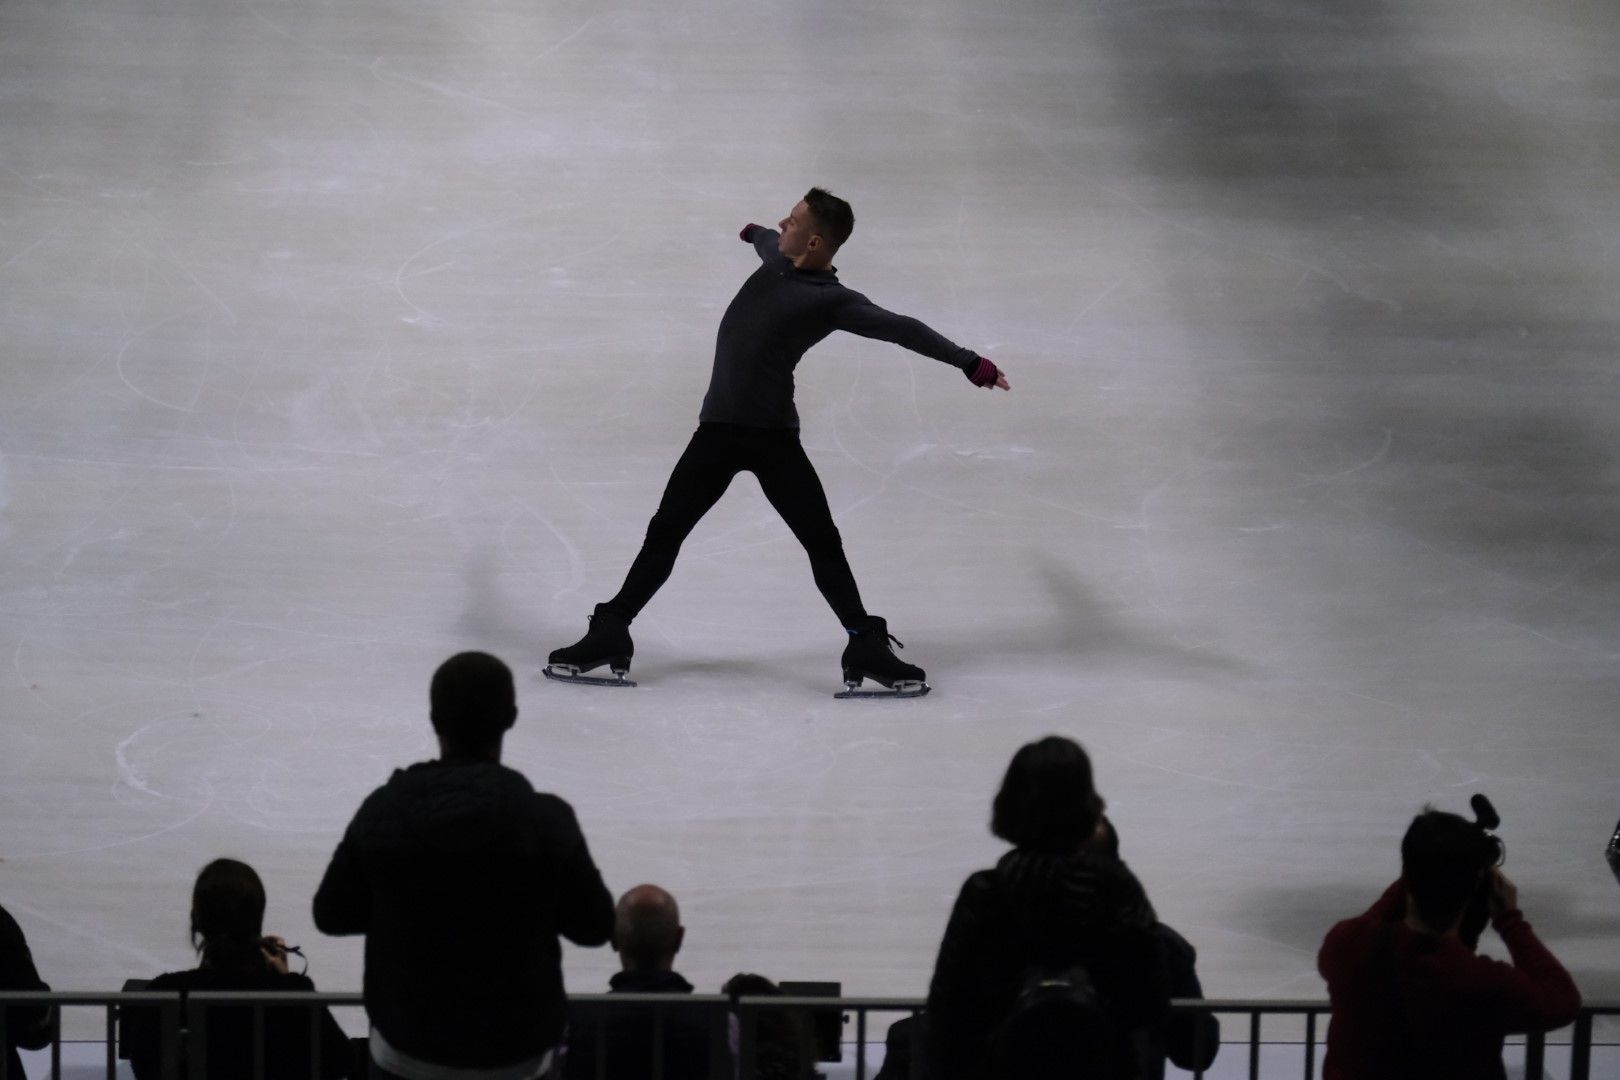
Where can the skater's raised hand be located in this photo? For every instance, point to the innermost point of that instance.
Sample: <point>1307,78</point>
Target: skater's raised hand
<point>985,374</point>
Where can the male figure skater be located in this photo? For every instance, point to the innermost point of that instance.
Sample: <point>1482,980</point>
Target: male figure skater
<point>748,422</point>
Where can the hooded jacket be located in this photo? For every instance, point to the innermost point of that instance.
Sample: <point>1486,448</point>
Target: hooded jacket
<point>1048,912</point>
<point>462,876</point>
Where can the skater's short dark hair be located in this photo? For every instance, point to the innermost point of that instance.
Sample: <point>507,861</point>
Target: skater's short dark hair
<point>834,219</point>
<point>1047,800</point>
<point>1442,858</point>
<point>472,699</point>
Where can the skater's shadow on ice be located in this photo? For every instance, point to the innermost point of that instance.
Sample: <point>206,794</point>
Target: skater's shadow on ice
<point>753,671</point>
<point>1083,629</point>
<point>488,620</point>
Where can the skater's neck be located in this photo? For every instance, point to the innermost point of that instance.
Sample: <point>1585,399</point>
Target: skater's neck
<point>814,259</point>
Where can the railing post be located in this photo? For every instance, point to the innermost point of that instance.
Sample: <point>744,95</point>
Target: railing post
<point>1580,1048</point>
<point>1310,1045</point>
<point>1254,1044</point>
<point>1535,1056</point>
<point>860,1044</point>
<point>112,1040</point>
<point>56,1043</point>
<point>5,1054</point>
<point>1198,1044</point>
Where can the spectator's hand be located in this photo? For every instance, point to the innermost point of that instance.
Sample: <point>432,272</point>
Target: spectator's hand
<point>1503,896</point>
<point>275,953</point>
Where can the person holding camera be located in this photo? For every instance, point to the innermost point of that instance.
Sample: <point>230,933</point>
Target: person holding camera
<point>234,953</point>
<point>1410,996</point>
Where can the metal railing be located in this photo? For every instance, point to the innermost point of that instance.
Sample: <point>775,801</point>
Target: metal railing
<point>732,1026</point>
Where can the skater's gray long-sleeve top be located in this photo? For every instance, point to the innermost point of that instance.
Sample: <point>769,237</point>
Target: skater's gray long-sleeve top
<point>777,315</point>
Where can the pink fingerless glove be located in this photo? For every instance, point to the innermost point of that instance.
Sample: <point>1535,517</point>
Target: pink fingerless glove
<point>747,234</point>
<point>982,373</point>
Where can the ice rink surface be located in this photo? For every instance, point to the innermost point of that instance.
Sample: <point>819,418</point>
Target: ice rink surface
<point>336,338</point>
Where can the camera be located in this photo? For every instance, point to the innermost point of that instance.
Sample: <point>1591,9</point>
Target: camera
<point>1491,852</point>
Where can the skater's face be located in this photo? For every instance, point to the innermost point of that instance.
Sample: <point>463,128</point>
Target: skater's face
<point>799,237</point>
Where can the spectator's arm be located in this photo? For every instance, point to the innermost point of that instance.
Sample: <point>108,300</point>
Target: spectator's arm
<point>1535,993</point>
<point>343,901</point>
<point>956,1033</point>
<point>337,1055</point>
<point>584,905</point>
<point>1187,1031</point>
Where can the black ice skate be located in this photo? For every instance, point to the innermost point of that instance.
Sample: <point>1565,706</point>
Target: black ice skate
<point>868,656</point>
<point>607,642</point>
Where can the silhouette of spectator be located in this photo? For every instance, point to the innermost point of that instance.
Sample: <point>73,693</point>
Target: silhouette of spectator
<point>647,933</point>
<point>902,1049</point>
<point>784,1039</point>
<point>462,877</point>
<point>1410,998</point>
<point>1050,964</point>
<point>227,930</point>
<point>26,1027</point>
<point>1189,1040</point>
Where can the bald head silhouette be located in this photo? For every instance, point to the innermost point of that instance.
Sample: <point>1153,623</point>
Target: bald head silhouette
<point>647,929</point>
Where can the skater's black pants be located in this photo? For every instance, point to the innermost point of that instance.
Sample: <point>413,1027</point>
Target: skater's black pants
<point>717,453</point>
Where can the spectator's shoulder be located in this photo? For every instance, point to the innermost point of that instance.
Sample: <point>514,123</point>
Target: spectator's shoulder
<point>1345,944</point>
<point>1177,947</point>
<point>174,980</point>
<point>554,810</point>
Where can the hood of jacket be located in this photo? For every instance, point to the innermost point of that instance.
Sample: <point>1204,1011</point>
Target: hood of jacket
<point>1062,896</point>
<point>455,805</point>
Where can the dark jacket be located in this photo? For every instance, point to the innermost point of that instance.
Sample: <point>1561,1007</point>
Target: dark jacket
<point>462,877</point>
<point>627,1033</point>
<point>1189,1040</point>
<point>1409,1003</point>
<point>230,1030</point>
<point>28,1028</point>
<point>1048,912</point>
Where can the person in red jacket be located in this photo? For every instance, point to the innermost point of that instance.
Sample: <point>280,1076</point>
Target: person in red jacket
<point>1410,997</point>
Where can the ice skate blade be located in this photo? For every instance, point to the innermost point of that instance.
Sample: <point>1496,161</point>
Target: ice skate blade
<point>570,674</point>
<point>899,690</point>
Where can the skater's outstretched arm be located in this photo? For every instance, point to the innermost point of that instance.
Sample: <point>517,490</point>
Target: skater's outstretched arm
<point>861,316</point>
<point>763,239</point>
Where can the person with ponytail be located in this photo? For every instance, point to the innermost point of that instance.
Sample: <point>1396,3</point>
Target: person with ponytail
<point>234,953</point>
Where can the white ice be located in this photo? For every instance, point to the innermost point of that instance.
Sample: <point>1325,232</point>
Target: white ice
<point>336,338</point>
